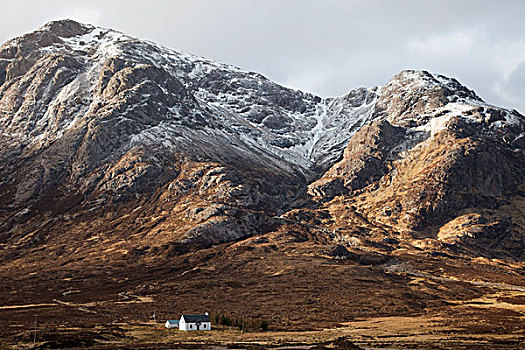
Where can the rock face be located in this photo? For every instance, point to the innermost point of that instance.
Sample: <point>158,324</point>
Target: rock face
<point>108,139</point>
<point>365,160</point>
<point>437,155</point>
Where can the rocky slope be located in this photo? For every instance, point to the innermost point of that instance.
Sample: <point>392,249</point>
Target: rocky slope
<point>93,118</point>
<point>441,168</point>
<point>110,138</point>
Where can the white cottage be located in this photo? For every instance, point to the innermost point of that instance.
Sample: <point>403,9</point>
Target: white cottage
<point>195,322</point>
<point>171,324</point>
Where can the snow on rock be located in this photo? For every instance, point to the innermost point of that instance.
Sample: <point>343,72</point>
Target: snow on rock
<point>288,125</point>
<point>152,95</point>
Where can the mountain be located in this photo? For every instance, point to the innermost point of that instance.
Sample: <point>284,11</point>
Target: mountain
<point>437,162</point>
<point>98,118</point>
<point>121,156</point>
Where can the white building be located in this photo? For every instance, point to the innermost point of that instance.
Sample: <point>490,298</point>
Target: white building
<point>195,322</point>
<point>171,324</point>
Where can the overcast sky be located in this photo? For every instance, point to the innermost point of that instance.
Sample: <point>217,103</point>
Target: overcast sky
<point>327,47</point>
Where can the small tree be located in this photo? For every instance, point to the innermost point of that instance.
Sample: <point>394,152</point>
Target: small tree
<point>225,320</point>
<point>264,325</point>
<point>240,323</point>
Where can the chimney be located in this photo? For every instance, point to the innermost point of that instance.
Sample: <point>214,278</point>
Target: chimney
<point>206,313</point>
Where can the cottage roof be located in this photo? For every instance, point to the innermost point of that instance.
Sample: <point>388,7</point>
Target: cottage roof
<point>196,318</point>
<point>173,321</point>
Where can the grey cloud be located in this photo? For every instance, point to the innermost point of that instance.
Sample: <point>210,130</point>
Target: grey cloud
<point>326,47</point>
<point>513,88</point>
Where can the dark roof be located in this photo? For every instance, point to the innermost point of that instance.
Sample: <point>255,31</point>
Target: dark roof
<point>173,321</point>
<point>196,318</point>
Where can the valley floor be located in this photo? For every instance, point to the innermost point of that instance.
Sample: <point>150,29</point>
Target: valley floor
<point>472,314</point>
<point>398,332</point>
<point>310,299</point>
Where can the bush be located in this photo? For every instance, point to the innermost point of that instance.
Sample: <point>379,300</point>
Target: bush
<point>222,319</point>
<point>241,323</point>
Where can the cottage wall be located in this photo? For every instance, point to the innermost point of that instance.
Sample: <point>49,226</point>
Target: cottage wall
<point>182,324</point>
<point>203,326</point>
<point>170,325</point>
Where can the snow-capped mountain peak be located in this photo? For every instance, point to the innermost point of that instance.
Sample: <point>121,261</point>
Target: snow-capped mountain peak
<point>95,121</point>
<point>298,128</point>
<point>81,77</point>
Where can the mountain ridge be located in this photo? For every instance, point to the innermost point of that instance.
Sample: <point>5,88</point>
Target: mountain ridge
<point>160,103</point>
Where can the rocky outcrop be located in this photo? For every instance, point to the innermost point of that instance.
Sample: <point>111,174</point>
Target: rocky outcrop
<point>92,124</point>
<point>443,176</point>
<point>366,159</point>
<point>432,156</point>
<point>410,95</point>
